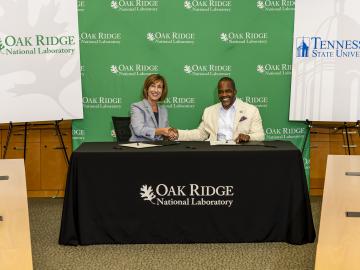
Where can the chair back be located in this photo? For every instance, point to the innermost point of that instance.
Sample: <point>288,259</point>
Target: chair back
<point>122,128</point>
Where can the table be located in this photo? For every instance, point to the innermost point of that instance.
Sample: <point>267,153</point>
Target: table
<point>186,193</point>
<point>15,242</point>
<point>339,236</point>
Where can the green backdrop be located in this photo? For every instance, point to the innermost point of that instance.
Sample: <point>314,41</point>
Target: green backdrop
<point>193,44</point>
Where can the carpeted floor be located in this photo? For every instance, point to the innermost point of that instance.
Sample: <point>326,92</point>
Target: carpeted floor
<point>45,217</point>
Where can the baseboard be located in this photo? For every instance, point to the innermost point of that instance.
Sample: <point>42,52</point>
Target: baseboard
<point>45,193</point>
<point>316,192</point>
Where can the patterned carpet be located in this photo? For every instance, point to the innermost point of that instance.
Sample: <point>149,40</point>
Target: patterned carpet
<point>45,217</point>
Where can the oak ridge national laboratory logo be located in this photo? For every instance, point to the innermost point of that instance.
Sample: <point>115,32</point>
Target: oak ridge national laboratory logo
<point>2,47</point>
<point>171,37</point>
<point>135,5</point>
<point>207,70</point>
<point>260,102</point>
<point>285,133</point>
<point>113,134</point>
<point>318,47</point>
<point>188,195</point>
<point>276,5</point>
<point>306,163</point>
<point>208,5</point>
<point>38,44</point>
<point>101,102</point>
<point>245,38</point>
<point>274,69</point>
<point>175,102</point>
<point>82,70</point>
<point>134,69</point>
<point>78,134</point>
<point>81,5</point>
<point>100,38</point>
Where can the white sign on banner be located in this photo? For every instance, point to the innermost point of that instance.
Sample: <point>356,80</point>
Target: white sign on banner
<point>39,61</point>
<point>326,61</point>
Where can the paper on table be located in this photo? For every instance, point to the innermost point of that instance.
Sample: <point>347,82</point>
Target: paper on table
<point>212,143</point>
<point>138,145</point>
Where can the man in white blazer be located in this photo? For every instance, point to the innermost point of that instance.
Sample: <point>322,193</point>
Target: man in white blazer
<point>231,119</point>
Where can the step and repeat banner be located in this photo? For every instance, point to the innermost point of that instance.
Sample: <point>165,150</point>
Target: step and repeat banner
<point>326,61</point>
<point>193,44</point>
<point>39,61</point>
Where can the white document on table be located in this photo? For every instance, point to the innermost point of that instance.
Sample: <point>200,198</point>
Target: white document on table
<point>213,143</point>
<point>138,145</point>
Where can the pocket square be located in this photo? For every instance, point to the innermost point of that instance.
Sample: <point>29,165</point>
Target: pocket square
<point>242,118</point>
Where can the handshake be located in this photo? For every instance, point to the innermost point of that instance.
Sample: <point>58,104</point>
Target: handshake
<point>170,133</point>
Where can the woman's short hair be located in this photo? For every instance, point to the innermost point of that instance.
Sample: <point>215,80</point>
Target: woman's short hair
<point>151,79</point>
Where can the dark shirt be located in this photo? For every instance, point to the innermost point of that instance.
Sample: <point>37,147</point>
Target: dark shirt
<point>156,116</point>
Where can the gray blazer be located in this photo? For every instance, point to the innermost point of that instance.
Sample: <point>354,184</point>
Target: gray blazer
<point>143,121</point>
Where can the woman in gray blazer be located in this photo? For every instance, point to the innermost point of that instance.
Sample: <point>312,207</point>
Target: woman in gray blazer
<point>149,120</point>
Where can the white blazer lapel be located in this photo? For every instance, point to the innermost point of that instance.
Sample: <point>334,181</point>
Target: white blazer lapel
<point>215,119</point>
<point>239,112</point>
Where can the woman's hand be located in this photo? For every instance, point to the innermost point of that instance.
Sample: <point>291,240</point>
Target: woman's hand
<point>162,131</point>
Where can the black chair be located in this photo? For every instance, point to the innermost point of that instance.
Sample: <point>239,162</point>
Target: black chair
<point>122,128</point>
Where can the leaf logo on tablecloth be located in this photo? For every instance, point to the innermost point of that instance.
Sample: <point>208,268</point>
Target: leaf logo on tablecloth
<point>147,193</point>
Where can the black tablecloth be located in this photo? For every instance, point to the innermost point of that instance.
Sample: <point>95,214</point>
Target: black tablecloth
<point>182,194</point>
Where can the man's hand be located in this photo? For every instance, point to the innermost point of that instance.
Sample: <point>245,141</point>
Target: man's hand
<point>173,134</point>
<point>242,138</point>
